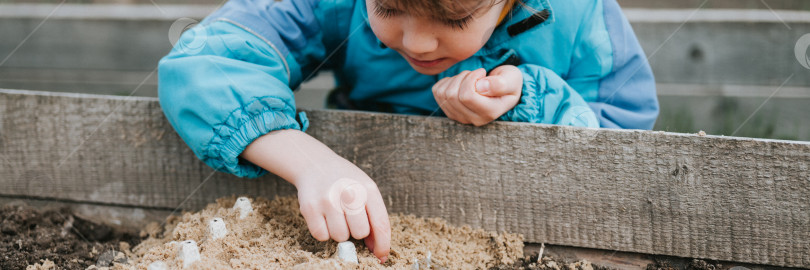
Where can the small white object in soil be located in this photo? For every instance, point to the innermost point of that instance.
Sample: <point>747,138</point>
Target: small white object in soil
<point>427,261</point>
<point>243,204</point>
<point>540,254</point>
<point>157,265</point>
<point>216,228</point>
<point>189,253</point>
<point>347,252</point>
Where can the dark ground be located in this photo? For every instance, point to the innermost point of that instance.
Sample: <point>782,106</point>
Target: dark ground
<point>530,262</point>
<point>29,236</point>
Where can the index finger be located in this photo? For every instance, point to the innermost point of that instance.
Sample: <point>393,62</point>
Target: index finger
<point>380,225</point>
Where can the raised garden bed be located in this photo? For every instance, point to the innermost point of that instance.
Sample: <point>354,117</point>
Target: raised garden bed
<point>682,195</point>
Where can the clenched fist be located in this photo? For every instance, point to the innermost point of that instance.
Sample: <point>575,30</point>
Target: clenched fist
<point>472,97</point>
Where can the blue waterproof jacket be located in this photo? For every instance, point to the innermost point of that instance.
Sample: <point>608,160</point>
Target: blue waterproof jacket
<point>228,80</point>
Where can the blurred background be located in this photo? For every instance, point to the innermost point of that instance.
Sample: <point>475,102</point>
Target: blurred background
<point>727,67</point>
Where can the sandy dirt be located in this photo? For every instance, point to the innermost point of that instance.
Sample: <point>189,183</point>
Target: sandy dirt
<point>275,235</point>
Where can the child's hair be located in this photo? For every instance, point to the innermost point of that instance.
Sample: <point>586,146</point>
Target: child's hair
<point>440,8</point>
<point>451,8</point>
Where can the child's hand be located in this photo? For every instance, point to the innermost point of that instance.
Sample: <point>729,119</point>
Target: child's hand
<point>471,97</point>
<point>338,200</point>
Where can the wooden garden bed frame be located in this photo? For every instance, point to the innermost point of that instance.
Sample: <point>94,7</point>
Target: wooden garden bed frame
<point>723,198</point>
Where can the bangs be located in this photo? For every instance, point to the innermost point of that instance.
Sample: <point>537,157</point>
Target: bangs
<point>447,9</point>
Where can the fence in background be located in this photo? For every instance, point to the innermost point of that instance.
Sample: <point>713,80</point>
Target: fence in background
<point>720,71</point>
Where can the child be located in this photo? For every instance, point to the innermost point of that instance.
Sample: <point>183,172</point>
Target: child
<point>568,62</point>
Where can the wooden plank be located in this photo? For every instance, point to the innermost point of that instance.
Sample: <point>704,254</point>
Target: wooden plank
<point>705,52</point>
<point>721,198</point>
<point>112,150</point>
<point>693,4</point>
<point>129,218</point>
<point>710,15</point>
<point>109,11</point>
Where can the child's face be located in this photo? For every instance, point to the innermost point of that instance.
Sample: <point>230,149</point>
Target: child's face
<point>432,45</point>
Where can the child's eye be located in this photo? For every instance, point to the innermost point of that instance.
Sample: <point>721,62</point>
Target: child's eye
<point>460,23</point>
<point>385,12</point>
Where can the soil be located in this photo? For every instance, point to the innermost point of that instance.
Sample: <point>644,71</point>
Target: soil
<point>693,265</point>
<point>549,263</point>
<point>29,236</point>
<point>273,236</point>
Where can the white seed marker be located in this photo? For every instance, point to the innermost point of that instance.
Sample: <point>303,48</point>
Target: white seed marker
<point>347,252</point>
<point>243,204</point>
<point>427,261</point>
<point>157,265</point>
<point>189,253</point>
<point>216,228</point>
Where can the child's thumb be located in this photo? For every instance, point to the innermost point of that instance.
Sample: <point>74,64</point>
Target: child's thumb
<point>503,80</point>
<point>493,86</point>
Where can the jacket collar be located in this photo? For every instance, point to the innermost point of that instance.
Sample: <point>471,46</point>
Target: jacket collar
<point>521,20</point>
<point>521,12</point>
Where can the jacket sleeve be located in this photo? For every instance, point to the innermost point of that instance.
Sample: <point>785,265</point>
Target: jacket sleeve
<point>608,70</point>
<point>225,85</point>
<point>626,95</point>
<point>548,99</point>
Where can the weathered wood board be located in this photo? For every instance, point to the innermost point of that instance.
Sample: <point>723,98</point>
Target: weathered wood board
<point>732,199</point>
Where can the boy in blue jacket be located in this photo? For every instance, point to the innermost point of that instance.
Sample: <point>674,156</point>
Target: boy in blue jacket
<point>567,62</point>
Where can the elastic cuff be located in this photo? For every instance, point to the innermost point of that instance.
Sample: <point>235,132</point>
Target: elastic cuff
<point>242,127</point>
<point>529,109</point>
<point>303,120</point>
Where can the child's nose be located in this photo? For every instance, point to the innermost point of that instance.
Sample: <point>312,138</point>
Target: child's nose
<point>419,39</point>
